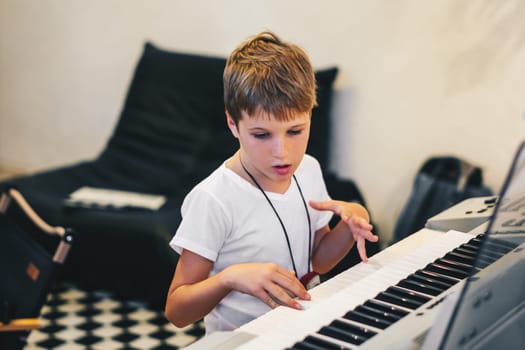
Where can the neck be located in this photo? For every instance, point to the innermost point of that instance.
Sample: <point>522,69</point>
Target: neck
<point>256,179</point>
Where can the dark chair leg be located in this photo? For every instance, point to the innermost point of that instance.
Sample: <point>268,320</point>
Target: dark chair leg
<point>13,340</point>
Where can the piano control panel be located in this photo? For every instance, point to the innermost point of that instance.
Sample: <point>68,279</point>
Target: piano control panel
<point>465,216</point>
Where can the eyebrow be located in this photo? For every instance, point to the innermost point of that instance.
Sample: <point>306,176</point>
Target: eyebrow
<point>260,128</point>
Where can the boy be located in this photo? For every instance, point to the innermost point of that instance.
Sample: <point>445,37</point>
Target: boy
<point>256,230</point>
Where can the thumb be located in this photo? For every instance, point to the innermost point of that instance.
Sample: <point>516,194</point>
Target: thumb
<point>326,205</point>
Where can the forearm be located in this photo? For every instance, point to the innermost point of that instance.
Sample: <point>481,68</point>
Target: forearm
<point>332,247</point>
<point>193,295</point>
<point>189,303</point>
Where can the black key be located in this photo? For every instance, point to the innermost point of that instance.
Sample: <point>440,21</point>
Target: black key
<point>499,246</point>
<point>359,330</point>
<point>476,241</point>
<point>311,342</point>
<point>482,261</point>
<point>367,319</point>
<point>397,300</point>
<point>509,245</point>
<point>490,255</point>
<point>472,247</point>
<point>424,278</point>
<point>433,279</point>
<point>439,277</point>
<point>366,309</point>
<point>493,251</point>
<point>419,287</point>
<point>466,251</point>
<point>445,270</point>
<point>306,346</point>
<point>454,264</point>
<point>457,256</point>
<point>483,257</point>
<point>389,309</point>
<point>342,334</point>
<point>409,294</point>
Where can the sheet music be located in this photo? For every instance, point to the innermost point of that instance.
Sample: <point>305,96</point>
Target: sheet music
<point>116,199</point>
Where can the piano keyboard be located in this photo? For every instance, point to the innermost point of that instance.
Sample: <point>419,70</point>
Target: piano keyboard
<point>365,301</point>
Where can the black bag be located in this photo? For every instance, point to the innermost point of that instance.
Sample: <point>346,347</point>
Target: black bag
<point>27,267</point>
<point>440,183</point>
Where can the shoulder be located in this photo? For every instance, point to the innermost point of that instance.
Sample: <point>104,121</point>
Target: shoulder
<point>222,186</point>
<point>309,172</point>
<point>309,165</point>
<point>213,184</point>
<point>311,175</point>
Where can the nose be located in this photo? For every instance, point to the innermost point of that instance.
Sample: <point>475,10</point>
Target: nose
<point>280,148</point>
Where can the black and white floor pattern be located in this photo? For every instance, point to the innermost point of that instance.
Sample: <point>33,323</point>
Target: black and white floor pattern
<point>74,319</point>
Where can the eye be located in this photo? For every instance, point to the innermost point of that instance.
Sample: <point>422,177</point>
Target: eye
<point>295,131</point>
<point>261,135</point>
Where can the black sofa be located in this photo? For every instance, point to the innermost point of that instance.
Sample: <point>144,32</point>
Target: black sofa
<point>171,133</point>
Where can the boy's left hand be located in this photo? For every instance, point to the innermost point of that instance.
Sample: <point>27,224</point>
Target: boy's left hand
<point>356,218</point>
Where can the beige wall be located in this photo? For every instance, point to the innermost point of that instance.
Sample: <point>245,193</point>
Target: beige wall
<point>418,78</point>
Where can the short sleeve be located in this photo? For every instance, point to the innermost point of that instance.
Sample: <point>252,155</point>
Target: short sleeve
<point>204,226</point>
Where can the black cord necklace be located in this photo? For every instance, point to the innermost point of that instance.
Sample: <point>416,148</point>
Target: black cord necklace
<point>281,221</point>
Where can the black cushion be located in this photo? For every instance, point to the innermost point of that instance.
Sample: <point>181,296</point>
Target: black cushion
<point>319,142</point>
<point>164,125</point>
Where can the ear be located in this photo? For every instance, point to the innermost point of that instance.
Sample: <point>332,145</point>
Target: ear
<point>232,125</point>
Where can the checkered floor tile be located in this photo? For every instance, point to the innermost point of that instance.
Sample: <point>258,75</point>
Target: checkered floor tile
<point>74,319</point>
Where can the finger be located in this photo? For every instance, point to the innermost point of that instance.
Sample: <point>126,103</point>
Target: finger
<point>282,297</point>
<point>287,289</point>
<point>364,234</point>
<point>361,248</point>
<point>371,237</point>
<point>362,230</point>
<point>330,205</point>
<point>267,297</point>
<point>359,222</point>
<point>292,286</point>
<point>271,302</point>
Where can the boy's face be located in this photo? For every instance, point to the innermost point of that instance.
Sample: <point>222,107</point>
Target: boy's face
<point>270,149</point>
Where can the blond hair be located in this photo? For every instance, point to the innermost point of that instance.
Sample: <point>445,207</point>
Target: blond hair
<point>267,74</point>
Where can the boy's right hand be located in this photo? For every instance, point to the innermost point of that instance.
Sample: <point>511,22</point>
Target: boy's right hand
<point>269,282</point>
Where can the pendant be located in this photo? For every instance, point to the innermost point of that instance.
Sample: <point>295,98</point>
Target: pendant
<point>310,280</point>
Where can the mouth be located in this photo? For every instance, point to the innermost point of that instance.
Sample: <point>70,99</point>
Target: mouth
<point>282,169</point>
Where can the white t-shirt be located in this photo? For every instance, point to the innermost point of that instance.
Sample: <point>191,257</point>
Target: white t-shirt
<point>228,221</point>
